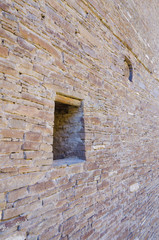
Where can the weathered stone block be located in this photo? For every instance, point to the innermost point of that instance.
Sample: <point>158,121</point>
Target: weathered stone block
<point>8,147</point>
<point>33,136</point>
<point>3,51</point>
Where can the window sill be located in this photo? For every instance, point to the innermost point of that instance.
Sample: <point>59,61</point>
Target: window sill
<point>67,161</point>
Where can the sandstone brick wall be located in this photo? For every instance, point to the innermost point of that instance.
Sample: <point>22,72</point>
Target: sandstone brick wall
<point>78,49</point>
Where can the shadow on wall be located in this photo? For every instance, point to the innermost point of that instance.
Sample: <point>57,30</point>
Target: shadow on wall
<point>69,132</point>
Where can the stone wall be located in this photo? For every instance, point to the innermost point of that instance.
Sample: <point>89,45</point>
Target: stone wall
<point>82,50</point>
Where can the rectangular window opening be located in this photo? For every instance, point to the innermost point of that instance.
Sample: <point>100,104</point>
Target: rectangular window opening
<point>69,131</point>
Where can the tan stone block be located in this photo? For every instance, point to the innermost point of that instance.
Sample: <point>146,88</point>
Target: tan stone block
<point>24,67</point>
<point>40,69</point>
<point>10,133</point>
<point>26,169</point>
<point>60,64</point>
<point>13,212</point>
<point>31,146</point>
<point>5,34</point>
<point>19,156</point>
<point>30,80</point>
<point>8,67</point>
<point>24,44</point>
<point>50,233</point>
<point>19,181</point>
<point>46,147</point>
<point>8,147</point>
<point>3,51</point>
<point>39,100</point>
<point>41,187</point>
<point>58,172</point>
<point>17,236</point>
<point>33,136</point>
<point>90,166</point>
<point>11,86</point>
<point>33,155</point>
<point>46,115</point>
<point>22,110</point>
<point>17,123</point>
<point>4,6</point>
<point>29,112</point>
<point>25,200</point>
<point>68,231</point>
<point>45,130</point>
<point>103,185</point>
<point>9,170</point>
<point>51,199</point>
<point>33,37</point>
<point>32,98</point>
<point>48,139</point>
<point>2,197</point>
<point>5,225</point>
<point>17,194</point>
<point>87,234</point>
<point>2,205</point>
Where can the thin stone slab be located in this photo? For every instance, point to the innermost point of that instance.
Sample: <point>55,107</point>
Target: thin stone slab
<point>67,161</point>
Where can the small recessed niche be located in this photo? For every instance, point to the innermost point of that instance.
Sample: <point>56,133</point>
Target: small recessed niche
<point>128,71</point>
<point>69,131</point>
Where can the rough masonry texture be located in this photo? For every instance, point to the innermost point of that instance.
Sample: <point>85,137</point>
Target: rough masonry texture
<point>105,55</point>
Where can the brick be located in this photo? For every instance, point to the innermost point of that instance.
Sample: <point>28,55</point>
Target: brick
<point>10,133</point>
<point>40,69</point>
<point>8,147</point>
<point>4,6</point>
<point>2,202</point>
<point>17,124</point>
<point>29,112</point>
<point>16,182</point>
<point>91,166</point>
<point>25,201</point>
<point>14,222</point>
<point>24,44</point>
<point>26,169</point>
<point>32,37</point>
<point>30,80</point>
<point>33,136</point>
<point>19,236</point>
<point>88,234</point>
<point>15,212</point>
<point>22,110</point>
<point>43,186</point>
<point>8,68</point>
<point>103,185</point>
<point>46,147</point>
<point>46,115</point>
<point>50,233</point>
<point>48,139</point>
<point>5,34</point>
<point>17,194</point>
<point>31,146</point>
<point>36,99</point>
<point>3,51</point>
<point>8,170</point>
<point>10,86</point>
<point>19,155</point>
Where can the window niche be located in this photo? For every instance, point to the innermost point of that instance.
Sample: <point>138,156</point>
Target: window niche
<point>128,72</point>
<point>69,135</point>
